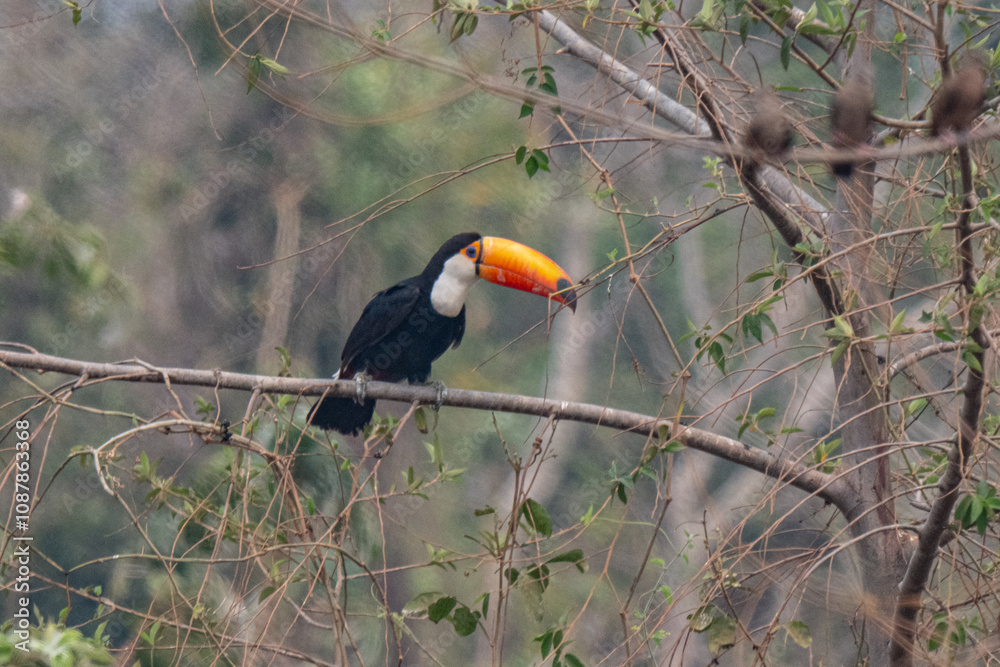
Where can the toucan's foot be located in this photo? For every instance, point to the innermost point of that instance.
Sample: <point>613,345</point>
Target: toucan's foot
<point>360,386</point>
<point>442,392</point>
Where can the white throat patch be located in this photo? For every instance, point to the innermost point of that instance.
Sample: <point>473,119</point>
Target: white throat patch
<point>449,290</point>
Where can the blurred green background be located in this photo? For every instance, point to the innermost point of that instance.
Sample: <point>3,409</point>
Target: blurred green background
<point>145,195</point>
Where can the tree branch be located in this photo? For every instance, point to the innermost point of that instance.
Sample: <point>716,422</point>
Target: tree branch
<point>665,107</point>
<point>807,479</point>
<point>639,88</point>
<point>919,569</point>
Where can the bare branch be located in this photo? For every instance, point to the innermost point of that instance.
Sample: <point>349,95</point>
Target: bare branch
<point>919,569</point>
<point>665,107</point>
<point>802,477</point>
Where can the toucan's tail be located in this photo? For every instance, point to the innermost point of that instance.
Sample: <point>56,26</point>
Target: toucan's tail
<point>345,415</point>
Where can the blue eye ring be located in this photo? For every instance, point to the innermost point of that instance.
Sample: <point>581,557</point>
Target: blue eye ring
<point>470,252</point>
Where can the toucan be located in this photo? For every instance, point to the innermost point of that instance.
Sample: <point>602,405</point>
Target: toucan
<point>403,329</point>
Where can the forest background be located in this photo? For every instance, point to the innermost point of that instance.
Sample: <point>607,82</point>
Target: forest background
<point>224,185</point>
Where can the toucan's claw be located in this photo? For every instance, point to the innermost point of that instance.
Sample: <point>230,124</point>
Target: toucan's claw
<point>442,392</point>
<point>360,387</point>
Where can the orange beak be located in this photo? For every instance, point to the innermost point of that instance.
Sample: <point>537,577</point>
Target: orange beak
<point>512,264</point>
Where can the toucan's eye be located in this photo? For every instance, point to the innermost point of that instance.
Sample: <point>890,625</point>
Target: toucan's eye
<point>471,252</point>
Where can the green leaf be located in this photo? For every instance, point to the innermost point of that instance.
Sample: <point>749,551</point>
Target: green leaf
<point>983,522</point>
<point>600,195</point>
<point>441,608</point>
<point>457,26</point>
<point>962,510</point>
<point>752,327</point>
<point>667,594</point>
<point>542,158</point>
<point>202,407</point>
<point>436,453</point>
<point>718,354</point>
<point>531,166</point>
<point>937,637</point>
<point>842,325</point>
<point>970,359</point>
<point>621,493</point>
<point>153,631</point>
<point>786,51</point>
<point>839,350</point>
<point>537,517</point>
<point>914,406</point>
<point>701,619</point>
<point>549,85</point>
<point>831,19</point>
<point>273,65</point>
<point>766,319</point>
<point>471,23</point>
<point>897,323</point>
<point>721,634</point>
<point>745,22</point>
<point>420,420</point>
<point>527,109</point>
<point>799,632</point>
<point>253,72</point>
<point>574,556</point>
<point>519,154</point>
<point>465,622</point>
<point>808,17</point>
<point>572,661</point>
<point>546,643</point>
<point>381,33</point>
<point>673,447</point>
<point>708,15</point>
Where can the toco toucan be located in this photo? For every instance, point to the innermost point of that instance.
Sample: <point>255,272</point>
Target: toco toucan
<point>405,328</point>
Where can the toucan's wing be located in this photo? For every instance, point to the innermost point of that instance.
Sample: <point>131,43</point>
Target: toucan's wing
<point>459,329</point>
<point>384,314</point>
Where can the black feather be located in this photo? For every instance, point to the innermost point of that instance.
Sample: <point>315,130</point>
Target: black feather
<point>397,337</point>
